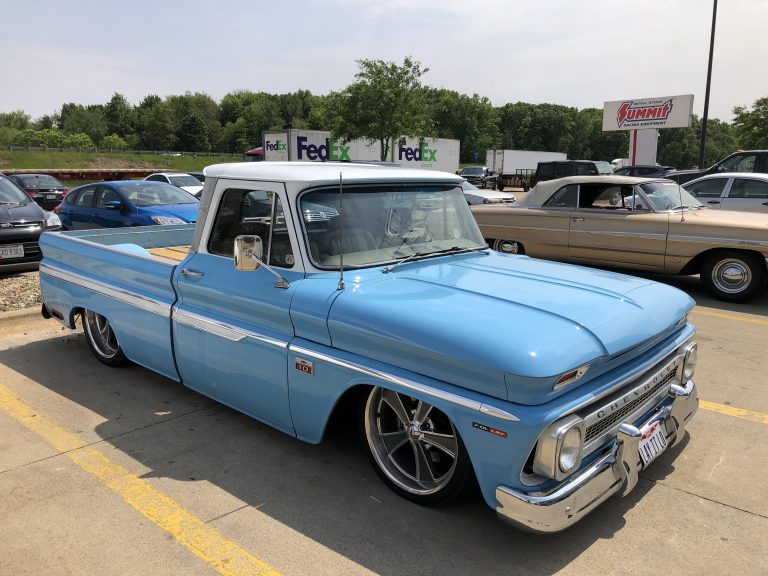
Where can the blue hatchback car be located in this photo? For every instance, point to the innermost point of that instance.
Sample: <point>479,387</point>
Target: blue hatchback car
<point>127,203</point>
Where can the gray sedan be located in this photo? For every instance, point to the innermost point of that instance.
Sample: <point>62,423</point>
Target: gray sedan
<point>732,191</point>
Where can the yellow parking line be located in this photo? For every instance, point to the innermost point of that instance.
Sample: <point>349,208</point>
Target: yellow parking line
<point>222,554</point>
<point>758,417</point>
<point>739,317</point>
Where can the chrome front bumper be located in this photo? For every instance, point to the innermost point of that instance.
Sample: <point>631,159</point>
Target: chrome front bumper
<point>616,471</point>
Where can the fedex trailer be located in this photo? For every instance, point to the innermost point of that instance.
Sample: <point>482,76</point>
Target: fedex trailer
<point>317,146</point>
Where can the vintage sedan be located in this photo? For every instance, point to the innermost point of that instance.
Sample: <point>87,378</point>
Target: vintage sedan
<point>636,223</point>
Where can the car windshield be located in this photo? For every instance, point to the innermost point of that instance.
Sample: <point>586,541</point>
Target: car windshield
<point>184,181</point>
<point>384,225</point>
<point>39,181</point>
<point>11,194</point>
<point>669,196</point>
<point>472,171</point>
<point>147,193</point>
<point>604,168</point>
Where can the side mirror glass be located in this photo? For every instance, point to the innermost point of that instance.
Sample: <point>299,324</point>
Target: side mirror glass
<point>248,253</point>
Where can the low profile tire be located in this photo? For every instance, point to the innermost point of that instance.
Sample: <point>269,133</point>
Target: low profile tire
<point>413,447</point>
<point>102,339</point>
<point>733,276</point>
<point>508,247</point>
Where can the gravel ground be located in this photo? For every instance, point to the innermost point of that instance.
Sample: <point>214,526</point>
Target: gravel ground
<point>19,290</point>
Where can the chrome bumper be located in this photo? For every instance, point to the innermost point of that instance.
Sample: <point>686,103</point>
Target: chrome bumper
<point>616,471</point>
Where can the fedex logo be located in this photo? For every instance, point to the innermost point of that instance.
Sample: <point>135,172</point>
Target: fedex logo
<point>629,112</point>
<point>323,152</point>
<point>276,146</point>
<point>421,154</point>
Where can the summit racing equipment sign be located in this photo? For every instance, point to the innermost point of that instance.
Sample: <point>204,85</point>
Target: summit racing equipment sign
<point>664,112</point>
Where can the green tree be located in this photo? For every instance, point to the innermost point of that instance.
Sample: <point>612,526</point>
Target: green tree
<point>193,133</point>
<point>155,127</point>
<point>113,142</point>
<point>89,120</point>
<point>18,119</point>
<point>78,140</point>
<point>751,125</point>
<point>470,119</point>
<point>386,101</point>
<point>119,116</point>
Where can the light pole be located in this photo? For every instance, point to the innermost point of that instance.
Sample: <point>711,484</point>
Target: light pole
<point>706,93</point>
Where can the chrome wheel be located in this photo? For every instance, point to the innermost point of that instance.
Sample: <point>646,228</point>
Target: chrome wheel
<point>102,339</point>
<point>508,247</point>
<point>413,444</point>
<point>731,276</point>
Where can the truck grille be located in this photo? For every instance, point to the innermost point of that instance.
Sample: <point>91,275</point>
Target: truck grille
<point>596,429</point>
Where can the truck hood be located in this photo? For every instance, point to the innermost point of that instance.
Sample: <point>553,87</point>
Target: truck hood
<point>507,326</point>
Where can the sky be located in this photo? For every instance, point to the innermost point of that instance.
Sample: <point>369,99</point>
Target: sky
<point>565,52</point>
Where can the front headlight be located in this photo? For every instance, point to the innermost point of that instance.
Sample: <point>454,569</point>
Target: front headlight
<point>559,450</point>
<point>52,220</point>
<point>167,220</point>
<point>690,360</point>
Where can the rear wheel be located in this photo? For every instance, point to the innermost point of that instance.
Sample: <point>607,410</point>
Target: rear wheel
<point>413,447</point>
<point>733,276</point>
<point>102,339</point>
<point>508,246</point>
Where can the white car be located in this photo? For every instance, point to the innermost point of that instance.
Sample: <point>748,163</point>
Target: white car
<point>180,180</point>
<point>745,191</point>
<point>475,195</point>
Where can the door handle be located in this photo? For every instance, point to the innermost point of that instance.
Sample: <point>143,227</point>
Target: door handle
<point>192,273</point>
<point>713,201</point>
<point>577,219</point>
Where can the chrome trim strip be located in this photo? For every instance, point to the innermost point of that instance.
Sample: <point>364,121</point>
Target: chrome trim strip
<point>481,407</point>
<point>121,294</point>
<point>222,329</point>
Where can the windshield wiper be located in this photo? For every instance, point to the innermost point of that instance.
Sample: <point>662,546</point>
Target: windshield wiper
<point>452,250</point>
<point>8,203</point>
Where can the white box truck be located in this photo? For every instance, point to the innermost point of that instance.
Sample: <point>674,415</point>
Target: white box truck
<point>317,146</point>
<point>515,167</point>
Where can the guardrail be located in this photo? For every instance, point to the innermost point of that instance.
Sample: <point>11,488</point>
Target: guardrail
<point>115,151</point>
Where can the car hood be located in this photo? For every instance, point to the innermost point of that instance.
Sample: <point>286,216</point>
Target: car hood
<point>187,212</point>
<point>507,326</point>
<point>16,213</point>
<point>192,189</point>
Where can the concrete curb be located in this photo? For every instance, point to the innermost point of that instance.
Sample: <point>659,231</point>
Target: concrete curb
<point>22,314</point>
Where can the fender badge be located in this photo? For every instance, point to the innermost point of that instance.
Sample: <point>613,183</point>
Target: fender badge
<point>305,366</point>
<point>485,428</point>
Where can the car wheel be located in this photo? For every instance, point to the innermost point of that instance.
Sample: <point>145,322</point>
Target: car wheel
<point>102,339</point>
<point>508,247</point>
<point>733,276</point>
<point>413,447</point>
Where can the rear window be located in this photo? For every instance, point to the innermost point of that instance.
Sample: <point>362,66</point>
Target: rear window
<point>37,181</point>
<point>545,170</point>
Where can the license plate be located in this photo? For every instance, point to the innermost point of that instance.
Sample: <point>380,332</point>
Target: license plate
<point>652,443</point>
<point>51,196</point>
<point>12,251</point>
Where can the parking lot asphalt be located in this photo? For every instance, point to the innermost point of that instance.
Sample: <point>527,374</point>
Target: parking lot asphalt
<point>121,471</point>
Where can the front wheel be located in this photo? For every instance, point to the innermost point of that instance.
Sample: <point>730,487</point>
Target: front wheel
<point>733,276</point>
<point>413,447</point>
<point>508,247</point>
<point>102,339</point>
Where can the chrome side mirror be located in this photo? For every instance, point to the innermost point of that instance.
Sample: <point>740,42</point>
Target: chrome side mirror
<point>248,253</point>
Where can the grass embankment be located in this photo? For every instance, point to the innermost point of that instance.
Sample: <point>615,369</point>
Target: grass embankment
<point>51,159</point>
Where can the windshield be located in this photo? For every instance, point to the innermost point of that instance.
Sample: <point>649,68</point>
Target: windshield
<point>472,171</point>
<point>185,181</point>
<point>36,181</point>
<point>385,224</point>
<point>147,193</point>
<point>604,168</point>
<point>11,194</point>
<point>669,196</point>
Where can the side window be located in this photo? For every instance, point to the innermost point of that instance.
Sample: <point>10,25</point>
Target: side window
<point>545,170</point>
<point>104,195</point>
<point>738,163</point>
<point>566,197</point>
<point>744,188</point>
<point>254,212</point>
<point>563,169</point>
<point>707,188</point>
<point>85,198</point>
<point>585,170</point>
<point>605,197</point>
<point>156,178</point>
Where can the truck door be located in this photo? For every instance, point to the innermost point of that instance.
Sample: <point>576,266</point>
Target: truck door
<point>231,328</point>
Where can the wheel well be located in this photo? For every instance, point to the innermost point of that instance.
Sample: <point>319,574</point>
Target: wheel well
<point>694,265</point>
<point>343,418</point>
<point>73,315</point>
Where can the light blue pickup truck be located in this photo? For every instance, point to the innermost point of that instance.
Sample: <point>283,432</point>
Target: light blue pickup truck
<point>304,286</point>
